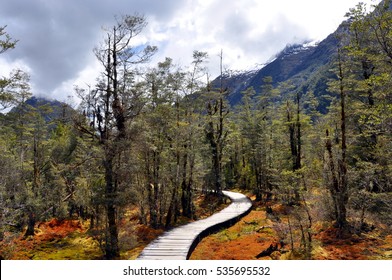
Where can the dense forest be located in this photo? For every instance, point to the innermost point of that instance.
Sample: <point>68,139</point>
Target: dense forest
<point>149,140</point>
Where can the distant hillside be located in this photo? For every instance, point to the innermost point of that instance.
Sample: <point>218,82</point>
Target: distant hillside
<point>304,66</point>
<point>50,110</point>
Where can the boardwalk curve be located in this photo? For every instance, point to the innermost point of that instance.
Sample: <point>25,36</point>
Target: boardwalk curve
<point>178,243</point>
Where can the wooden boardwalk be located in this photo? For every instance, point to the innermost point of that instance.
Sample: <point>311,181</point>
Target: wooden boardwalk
<point>178,243</point>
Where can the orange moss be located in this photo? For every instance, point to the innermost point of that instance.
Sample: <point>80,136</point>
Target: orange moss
<point>348,246</point>
<point>281,209</point>
<point>21,248</point>
<point>245,245</point>
<point>255,233</point>
<point>145,234</point>
<point>59,235</point>
<point>55,229</point>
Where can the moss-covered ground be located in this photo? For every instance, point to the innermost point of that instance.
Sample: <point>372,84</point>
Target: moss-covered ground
<point>258,231</point>
<point>72,239</point>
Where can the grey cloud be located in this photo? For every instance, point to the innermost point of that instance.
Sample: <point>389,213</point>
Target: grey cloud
<point>278,33</point>
<point>56,38</point>
<point>237,26</point>
<point>283,31</point>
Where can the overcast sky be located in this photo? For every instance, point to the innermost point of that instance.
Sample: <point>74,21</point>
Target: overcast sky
<point>56,38</point>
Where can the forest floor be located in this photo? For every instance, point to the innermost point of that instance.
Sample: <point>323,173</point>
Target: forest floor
<point>72,240</point>
<point>259,232</point>
<point>255,233</point>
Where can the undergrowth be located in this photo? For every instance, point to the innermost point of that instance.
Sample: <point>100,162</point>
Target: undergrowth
<point>71,239</point>
<point>277,235</point>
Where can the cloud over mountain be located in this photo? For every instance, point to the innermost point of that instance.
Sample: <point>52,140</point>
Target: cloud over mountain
<point>56,38</point>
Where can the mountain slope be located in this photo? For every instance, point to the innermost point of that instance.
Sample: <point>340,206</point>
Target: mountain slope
<point>49,110</point>
<point>304,66</point>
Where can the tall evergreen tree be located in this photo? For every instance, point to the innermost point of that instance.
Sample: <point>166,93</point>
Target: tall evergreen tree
<point>118,101</point>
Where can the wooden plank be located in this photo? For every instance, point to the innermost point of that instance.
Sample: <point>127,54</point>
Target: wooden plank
<point>177,243</point>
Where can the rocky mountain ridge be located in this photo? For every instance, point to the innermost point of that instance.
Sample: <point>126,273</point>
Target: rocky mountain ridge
<point>305,66</point>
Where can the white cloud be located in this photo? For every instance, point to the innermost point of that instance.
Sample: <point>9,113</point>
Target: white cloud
<point>8,65</point>
<point>248,31</point>
<point>57,37</point>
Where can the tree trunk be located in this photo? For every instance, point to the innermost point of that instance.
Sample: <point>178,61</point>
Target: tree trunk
<point>342,194</point>
<point>298,164</point>
<point>295,146</point>
<point>337,189</point>
<point>111,248</point>
<point>153,206</point>
<point>171,215</point>
<point>35,184</point>
<point>339,185</point>
<point>341,212</point>
<point>30,223</point>
<point>214,137</point>
<point>186,195</point>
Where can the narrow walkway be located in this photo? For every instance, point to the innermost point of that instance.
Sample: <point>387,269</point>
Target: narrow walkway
<point>178,243</point>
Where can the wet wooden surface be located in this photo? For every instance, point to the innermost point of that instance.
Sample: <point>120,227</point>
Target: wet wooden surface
<point>178,243</point>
